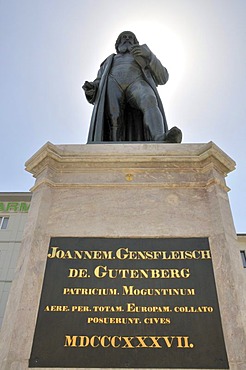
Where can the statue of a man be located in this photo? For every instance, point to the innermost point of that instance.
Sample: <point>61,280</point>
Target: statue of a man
<point>127,106</point>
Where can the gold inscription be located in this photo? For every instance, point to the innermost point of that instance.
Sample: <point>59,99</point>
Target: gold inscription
<point>81,309</point>
<point>131,290</point>
<point>57,308</point>
<point>103,271</point>
<point>126,253</point>
<point>114,320</point>
<point>78,273</point>
<point>157,320</point>
<point>90,291</point>
<point>132,307</point>
<point>191,309</point>
<point>108,308</point>
<point>128,342</point>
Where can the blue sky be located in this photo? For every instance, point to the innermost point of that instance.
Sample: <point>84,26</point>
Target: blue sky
<point>49,48</point>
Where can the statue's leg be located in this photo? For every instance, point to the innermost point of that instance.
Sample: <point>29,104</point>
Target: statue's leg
<point>115,109</point>
<point>141,96</point>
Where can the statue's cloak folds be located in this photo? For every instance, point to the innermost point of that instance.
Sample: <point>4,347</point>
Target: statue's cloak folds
<point>155,74</point>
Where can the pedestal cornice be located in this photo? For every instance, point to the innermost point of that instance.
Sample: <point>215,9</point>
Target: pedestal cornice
<point>145,164</point>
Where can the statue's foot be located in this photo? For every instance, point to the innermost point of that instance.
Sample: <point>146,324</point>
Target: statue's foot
<point>174,135</point>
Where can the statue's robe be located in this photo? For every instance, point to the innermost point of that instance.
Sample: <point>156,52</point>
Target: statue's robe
<point>133,130</point>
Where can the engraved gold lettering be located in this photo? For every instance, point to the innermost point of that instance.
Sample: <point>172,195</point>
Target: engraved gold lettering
<point>108,308</point>
<point>114,320</point>
<point>92,341</point>
<point>84,341</point>
<point>81,309</point>
<point>206,254</point>
<point>183,342</point>
<point>131,307</point>
<point>57,308</point>
<point>70,341</point>
<point>53,252</point>
<point>155,343</point>
<point>131,290</point>
<point>90,291</point>
<point>128,342</point>
<point>125,253</point>
<point>157,320</point>
<point>113,342</point>
<point>103,341</point>
<point>168,342</point>
<point>142,343</point>
<point>192,309</point>
<point>83,254</point>
<point>103,271</point>
<point>78,273</point>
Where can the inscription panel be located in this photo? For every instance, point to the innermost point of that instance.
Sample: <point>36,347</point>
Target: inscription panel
<point>138,303</point>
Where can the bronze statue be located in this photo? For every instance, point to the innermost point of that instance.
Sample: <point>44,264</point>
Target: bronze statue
<point>127,106</point>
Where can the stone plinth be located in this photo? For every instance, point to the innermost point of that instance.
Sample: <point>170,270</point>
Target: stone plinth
<point>125,190</point>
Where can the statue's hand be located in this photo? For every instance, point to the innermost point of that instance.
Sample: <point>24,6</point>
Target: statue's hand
<point>90,89</point>
<point>141,50</point>
<point>88,86</point>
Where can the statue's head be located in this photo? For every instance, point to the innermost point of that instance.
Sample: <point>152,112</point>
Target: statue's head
<point>125,39</point>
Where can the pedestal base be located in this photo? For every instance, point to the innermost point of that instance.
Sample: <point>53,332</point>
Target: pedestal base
<point>128,191</point>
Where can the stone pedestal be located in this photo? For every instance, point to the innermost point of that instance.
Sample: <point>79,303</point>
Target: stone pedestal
<point>125,190</point>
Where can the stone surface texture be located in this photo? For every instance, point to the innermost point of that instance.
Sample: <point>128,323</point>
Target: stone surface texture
<point>126,190</point>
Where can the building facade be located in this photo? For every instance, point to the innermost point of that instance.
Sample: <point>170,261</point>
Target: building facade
<point>242,247</point>
<point>13,214</point>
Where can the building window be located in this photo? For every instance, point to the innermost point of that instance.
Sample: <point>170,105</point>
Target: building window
<point>243,255</point>
<point>4,222</point>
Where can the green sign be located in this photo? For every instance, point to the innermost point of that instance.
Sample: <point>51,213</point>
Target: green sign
<point>14,207</point>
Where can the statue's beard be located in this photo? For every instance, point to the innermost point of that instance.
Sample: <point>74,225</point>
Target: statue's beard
<point>125,47</point>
